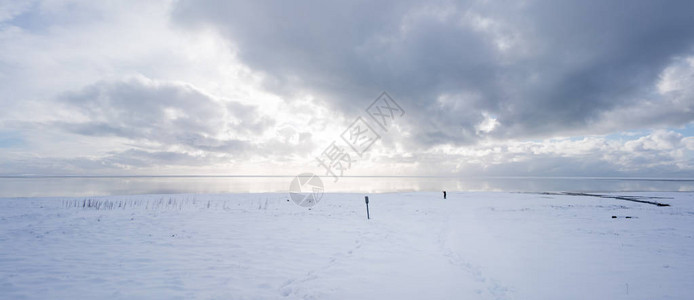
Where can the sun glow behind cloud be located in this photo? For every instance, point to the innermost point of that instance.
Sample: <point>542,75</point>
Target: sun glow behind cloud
<point>178,87</point>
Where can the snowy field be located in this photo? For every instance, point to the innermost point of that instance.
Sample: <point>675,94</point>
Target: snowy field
<point>416,246</point>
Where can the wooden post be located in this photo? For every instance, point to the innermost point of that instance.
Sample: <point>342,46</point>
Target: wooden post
<point>366,199</point>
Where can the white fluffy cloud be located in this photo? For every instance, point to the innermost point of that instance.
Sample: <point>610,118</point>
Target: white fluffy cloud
<point>237,87</point>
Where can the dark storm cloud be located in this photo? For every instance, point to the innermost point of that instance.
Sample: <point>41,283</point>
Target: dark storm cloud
<point>539,67</point>
<point>165,113</point>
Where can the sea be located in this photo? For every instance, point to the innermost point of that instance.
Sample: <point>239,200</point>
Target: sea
<point>82,186</point>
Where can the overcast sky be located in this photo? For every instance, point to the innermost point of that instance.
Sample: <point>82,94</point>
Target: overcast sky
<point>488,88</point>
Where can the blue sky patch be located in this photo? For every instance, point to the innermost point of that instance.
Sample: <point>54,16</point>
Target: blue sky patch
<point>10,139</point>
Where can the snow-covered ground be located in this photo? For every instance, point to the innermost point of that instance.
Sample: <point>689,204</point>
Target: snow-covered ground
<point>416,246</point>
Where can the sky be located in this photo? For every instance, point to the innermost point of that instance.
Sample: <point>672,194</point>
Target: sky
<point>219,87</point>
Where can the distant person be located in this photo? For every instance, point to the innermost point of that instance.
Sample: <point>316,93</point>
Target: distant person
<point>444,194</point>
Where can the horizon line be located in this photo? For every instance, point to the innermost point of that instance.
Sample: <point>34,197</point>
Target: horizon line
<point>353,176</point>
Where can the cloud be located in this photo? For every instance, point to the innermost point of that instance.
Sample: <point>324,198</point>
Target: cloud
<point>134,161</point>
<point>541,68</point>
<point>231,87</point>
<point>139,159</point>
<point>164,113</point>
<point>660,153</point>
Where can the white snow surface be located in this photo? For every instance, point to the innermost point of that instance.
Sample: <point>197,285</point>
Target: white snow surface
<point>415,246</point>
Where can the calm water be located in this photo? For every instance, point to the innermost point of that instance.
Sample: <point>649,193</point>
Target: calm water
<point>101,186</point>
